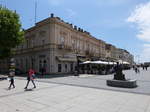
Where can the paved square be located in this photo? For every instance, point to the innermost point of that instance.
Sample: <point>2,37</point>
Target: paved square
<point>82,95</point>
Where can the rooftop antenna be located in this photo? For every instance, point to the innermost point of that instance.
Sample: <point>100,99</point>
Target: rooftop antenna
<point>35,11</point>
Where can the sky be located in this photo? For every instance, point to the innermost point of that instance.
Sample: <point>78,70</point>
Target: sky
<point>123,23</point>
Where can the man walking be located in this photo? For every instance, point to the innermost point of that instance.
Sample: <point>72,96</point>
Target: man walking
<point>30,77</point>
<point>11,79</point>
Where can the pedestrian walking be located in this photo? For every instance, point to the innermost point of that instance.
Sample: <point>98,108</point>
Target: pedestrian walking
<point>11,79</point>
<point>143,67</point>
<point>146,67</point>
<point>30,77</point>
<point>137,70</point>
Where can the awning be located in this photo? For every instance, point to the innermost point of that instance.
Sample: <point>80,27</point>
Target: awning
<point>68,59</point>
<point>86,62</point>
<point>112,63</point>
<point>124,62</point>
<point>104,62</point>
<point>100,62</point>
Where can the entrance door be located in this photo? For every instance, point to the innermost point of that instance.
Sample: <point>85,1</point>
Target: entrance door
<point>42,65</point>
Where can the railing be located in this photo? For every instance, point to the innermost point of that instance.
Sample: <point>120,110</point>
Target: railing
<point>36,48</point>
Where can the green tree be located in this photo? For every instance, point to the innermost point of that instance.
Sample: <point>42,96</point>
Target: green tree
<point>11,33</point>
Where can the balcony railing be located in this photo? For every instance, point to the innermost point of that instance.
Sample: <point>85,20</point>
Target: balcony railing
<point>36,48</point>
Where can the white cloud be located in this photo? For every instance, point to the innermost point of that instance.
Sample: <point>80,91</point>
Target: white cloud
<point>145,55</point>
<point>141,17</point>
<point>147,45</point>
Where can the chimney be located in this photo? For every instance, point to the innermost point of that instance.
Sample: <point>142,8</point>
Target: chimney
<point>75,27</point>
<point>79,29</point>
<point>71,24</point>
<point>52,15</point>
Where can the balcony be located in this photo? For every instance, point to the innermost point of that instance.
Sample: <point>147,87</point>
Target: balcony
<point>36,48</point>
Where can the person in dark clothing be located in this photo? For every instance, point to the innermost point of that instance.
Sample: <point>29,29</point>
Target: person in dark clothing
<point>43,70</point>
<point>146,67</point>
<point>30,77</point>
<point>11,79</point>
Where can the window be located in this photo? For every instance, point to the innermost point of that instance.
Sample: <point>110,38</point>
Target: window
<point>40,65</point>
<point>45,65</point>
<point>59,67</point>
<point>32,62</point>
<point>27,43</point>
<point>21,63</point>
<point>17,64</point>
<point>27,65</point>
<point>71,67</point>
<point>43,42</point>
<point>65,67</point>
<point>32,43</point>
<point>73,44</point>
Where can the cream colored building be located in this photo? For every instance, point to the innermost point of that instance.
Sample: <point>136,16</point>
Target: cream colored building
<point>116,54</point>
<point>125,56</point>
<point>55,45</point>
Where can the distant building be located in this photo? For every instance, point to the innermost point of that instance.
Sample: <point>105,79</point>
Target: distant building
<point>125,56</point>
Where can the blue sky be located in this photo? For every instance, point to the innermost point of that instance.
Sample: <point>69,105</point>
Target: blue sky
<point>123,23</point>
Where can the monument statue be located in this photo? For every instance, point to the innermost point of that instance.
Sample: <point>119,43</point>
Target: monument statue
<point>118,72</point>
<point>120,80</point>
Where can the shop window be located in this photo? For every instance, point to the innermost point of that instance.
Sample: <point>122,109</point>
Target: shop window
<point>59,67</point>
<point>65,67</point>
<point>71,67</point>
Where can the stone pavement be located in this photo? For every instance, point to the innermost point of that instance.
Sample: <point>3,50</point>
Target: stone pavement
<point>86,93</point>
<point>50,97</point>
<point>99,81</point>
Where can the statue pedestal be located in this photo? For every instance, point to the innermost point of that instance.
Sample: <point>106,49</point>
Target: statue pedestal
<point>119,77</point>
<point>122,83</point>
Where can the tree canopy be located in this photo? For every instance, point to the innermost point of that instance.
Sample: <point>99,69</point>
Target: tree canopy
<point>11,33</point>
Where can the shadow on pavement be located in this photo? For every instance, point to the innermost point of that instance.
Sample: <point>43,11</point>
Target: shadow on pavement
<point>4,77</point>
<point>28,90</point>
